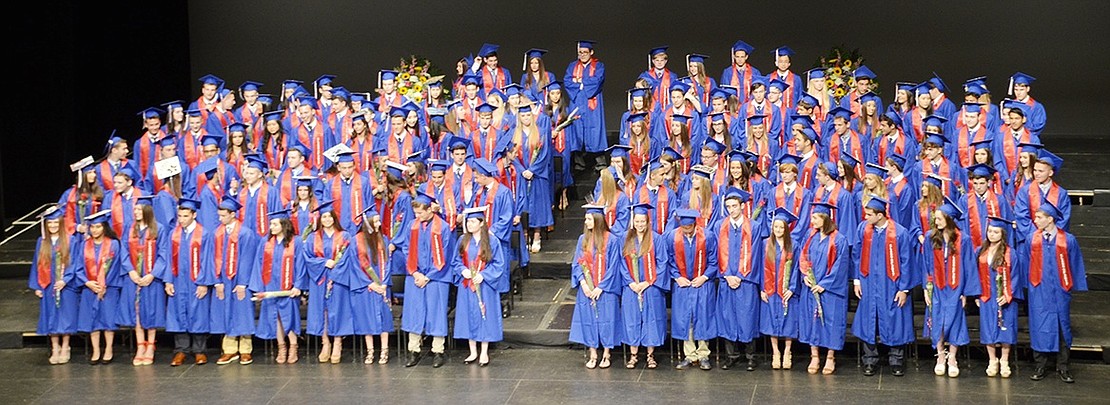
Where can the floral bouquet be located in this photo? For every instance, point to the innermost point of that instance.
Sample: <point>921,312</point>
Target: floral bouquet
<point>414,74</point>
<point>839,66</point>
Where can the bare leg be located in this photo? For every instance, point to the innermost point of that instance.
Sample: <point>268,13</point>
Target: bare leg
<point>814,359</point>
<point>484,358</point>
<point>55,349</point>
<point>473,351</point>
<point>94,336</point>
<point>776,355</point>
<point>109,338</point>
<point>282,350</point>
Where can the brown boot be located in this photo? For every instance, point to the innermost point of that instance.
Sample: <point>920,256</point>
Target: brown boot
<point>293,357</point>
<point>281,354</point>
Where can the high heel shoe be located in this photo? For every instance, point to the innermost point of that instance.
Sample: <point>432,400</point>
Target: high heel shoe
<point>830,366</point>
<point>94,360</point>
<point>776,361</point>
<point>293,355</point>
<point>992,368</point>
<point>953,367</point>
<point>814,365</point>
<point>384,358</point>
<point>1004,369</point>
<point>486,362</point>
<point>54,354</point>
<point>369,356</point>
<point>470,359</point>
<point>140,355</point>
<point>149,360</point>
<point>787,361</point>
<point>281,354</point>
<point>325,353</point>
<point>64,357</point>
<point>336,354</point>
<point>939,369</point>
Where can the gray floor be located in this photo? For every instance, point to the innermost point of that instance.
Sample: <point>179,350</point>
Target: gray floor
<point>524,376</point>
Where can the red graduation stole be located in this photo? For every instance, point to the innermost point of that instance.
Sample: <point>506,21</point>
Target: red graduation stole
<point>405,149</point>
<point>344,125</point>
<point>680,253</point>
<point>805,173</point>
<point>948,273</point>
<point>194,250</point>
<point>1010,147</point>
<point>966,152</point>
<point>339,239</point>
<point>137,243</point>
<point>1035,196</point>
<point>975,219</point>
<point>488,82</point>
<point>891,243</point>
<point>260,205</point>
<point>780,197</point>
<point>646,261</point>
<point>924,216</point>
<point>578,68</point>
<point>364,259</point>
<point>663,89</point>
<point>854,144</point>
<point>448,200</point>
<point>436,246</point>
<point>285,182</point>
<point>117,212</point>
<point>95,265</point>
<point>641,152</point>
<point>945,171</point>
<point>225,117</point>
<point>745,266</point>
<point>105,173</point>
<point>46,265</point>
<point>316,139</point>
<point>854,104</point>
<point>884,146</point>
<point>661,205</point>
<point>762,148</point>
<point>833,195</point>
<point>1063,265</point>
<point>148,149</point>
<point>788,94</point>
<point>806,265</point>
<point>918,124</point>
<point>191,144</point>
<point>478,265</point>
<point>558,138</point>
<point>487,197</point>
<point>286,264</point>
<point>774,271</point>
<point>232,252</point>
<point>743,85</point>
<point>593,259</point>
<point>356,194</point>
<point>985,279</point>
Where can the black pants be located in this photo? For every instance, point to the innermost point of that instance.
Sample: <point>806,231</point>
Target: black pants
<point>1061,357</point>
<point>871,354</point>
<point>732,349</point>
<point>193,343</point>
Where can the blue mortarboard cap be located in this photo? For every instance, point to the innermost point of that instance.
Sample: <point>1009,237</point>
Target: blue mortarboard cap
<point>972,107</point>
<point>714,145</point>
<point>1005,224</point>
<point>1031,147</point>
<point>533,53</point>
<point>980,170</point>
<point>272,116</point>
<point>898,160</point>
<point>470,79</point>
<point>696,58</point>
<point>169,139</point>
<point>921,88</point>
<point>680,87</point>
<point>458,142</point>
<point>483,167</point>
<point>1021,78</point>
<point>756,119</point>
<point>636,117</point>
<point>907,86</point>
<point>759,80</point>
<point>740,45</point>
<point>702,171</point>
<point>511,89</point>
<point>863,72</point>
<point>815,73</point>
<point>588,44</point>
<point>803,120</point>
<point>783,51</point>
<point>304,181</point>
<point>933,179</point>
<point>236,127</point>
<point>395,169</point>
<point>679,118</point>
<point>877,203</point>
<point>654,165</point>
<point>291,84</point>
<point>152,112</point>
<point>475,212</point>
<point>672,153</point>
<point>145,200</point>
<point>875,169</point>
<point>387,74</point>
<point>642,208</point>
<point>188,204</point>
<point>1046,156</point>
<point>174,105</point>
<point>345,157</point>
<point>398,112</point>
<point>751,157</point>
<point>783,214</point>
<point>324,206</point>
<point>230,203</point>
<point>485,108</point>
<point>779,84</point>
<point>717,117</point>
<point>788,158</point>
<point>658,50</point>
<point>834,172</point>
<point>975,89</point>
<point>869,96</point>
<point>822,208</point>
<point>211,79</point>
<point>324,80</point>
<point>99,217</point>
<point>647,77</point>
<point>554,85</point>
<point>488,49</point>
<point>808,99</point>
<point>983,143</point>
<point>594,209</point>
<point>424,198</point>
<point>935,138</point>
<point>938,83</point>
<point>438,165</point>
<point>935,121</point>
<point>618,150</point>
<point>279,214</point>
<point>981,81</point>
<point>894,117</point>
<point>950,209</point>
<point>256,162</point>
<point>265,99</point>
<point>733,192</point>
<point>841,112</point>
<point>211,139</point>
<point>341,92</point>
<point>1017,107</point>
<point>196,112</point>
<point>1050,208</point>
<point>223,93</point>
<point>128,171</point>
<point>849,159</point>
<point>358,97</point>
<point>719,93</point>
<point>687,216</point>
<point>250,85</point>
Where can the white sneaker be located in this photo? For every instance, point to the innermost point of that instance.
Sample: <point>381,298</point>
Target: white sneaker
<point>1004,369</point>
<point>535,246</point>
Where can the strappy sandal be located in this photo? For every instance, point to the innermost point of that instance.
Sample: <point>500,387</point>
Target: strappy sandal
<point>384,358</point>
<point>631,362</point>
<point>651,361</point>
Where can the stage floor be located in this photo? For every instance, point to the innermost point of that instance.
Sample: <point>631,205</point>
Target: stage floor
<point>524,376</point>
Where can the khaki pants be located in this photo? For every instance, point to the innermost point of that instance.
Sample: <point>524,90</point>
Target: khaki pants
<point>437,343</point>
<point>238,344</point>
<point>695,350</point>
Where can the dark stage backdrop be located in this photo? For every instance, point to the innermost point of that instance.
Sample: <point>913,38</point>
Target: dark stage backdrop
<point>87,76</point>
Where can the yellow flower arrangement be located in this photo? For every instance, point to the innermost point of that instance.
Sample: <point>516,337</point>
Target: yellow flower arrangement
<point>839,68</point>
<point>416,72</point>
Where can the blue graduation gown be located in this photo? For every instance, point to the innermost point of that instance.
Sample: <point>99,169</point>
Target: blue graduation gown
<point>208,215</point>
<point>945,319</point>
<point>1049,303</point>
<point>93,313</point>
<point>249,215</point>
<point>903,202</point>
<point>737,310</point>
<point>1037,118</point>
<point>425,309</point>
<point>534,89</point>
<point>692,307</point>
<point>776,318</point>
<point>469,322</point>
<point>1024,215</point>
<point>989,330</point>
<point>231,315</point>
<point>57,310</point>
<point>735,76</point>
<point>346,199</point>
<point>372,313</point>
<point>147,303</point>
<point>799,208</point>
<point>877,307</point>
<point>591,124</point>
<point>827,327</point>
<point>500,227</point>
<point>283,309</point>
<point>332,308</point>
<point>165,209</point>
<point>597,323</point>
<point>538,191</point>
<point>645,324</point>
<point>400,221</point>
<point>184,312</point>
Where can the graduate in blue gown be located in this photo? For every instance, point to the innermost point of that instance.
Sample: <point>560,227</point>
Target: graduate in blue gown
<point>535,160</point>
<point>499,215</point>
<point>210,194</point>
<point>595,272</point>
<point>643,268</point>
<point>257,196</point>
<point>883,274</point>
<point>583,83</point>
<point>949,277</point>
<point>232,308</point>
<point>998,266</point>
<point>739,73</point>
<point>535,76</point>
<point>984,202</point>
<point>692,263</point>
<point>663,200</point>
<point>1043,187</point>
<point>53,286</point>
<point>778,315</point>
<point>427,249</point>
<point>188,275</point>
<point>1020,84</point>
<point>828,189</point>
<point>278,283</point>
<point>823,309</point>
<point>903,192</point>
<point>143,296</point>
<point>329,310</point>
<point>479,265</point>
<point>1055,270</point>
<point>100,264</point>
<point>365,273</point>
<point>736,244</point>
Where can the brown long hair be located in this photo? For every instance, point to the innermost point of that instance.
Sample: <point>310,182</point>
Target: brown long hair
<point>485,253</point>
<point>999,254</point>
<point>629,249</point>
<point>528,74</point>
<point>949,231</point>
<point>787,243</point>
<point>148,220</point>
<point>336,226</point>
<point>934,197</point>
<point>287,231</point>
<point>596,236</point>
<point>47,248</point>
<point>879,190</point>
<point>828,226</point>
<point>373,240</point>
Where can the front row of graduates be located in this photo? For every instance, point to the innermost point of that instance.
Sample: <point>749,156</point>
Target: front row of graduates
<point>193,282</point>
<point>745,276</point>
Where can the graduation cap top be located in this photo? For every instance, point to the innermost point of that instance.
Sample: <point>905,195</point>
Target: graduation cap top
<point>783,214</point>
<point>696,58</point>
<point>488,50</point>
<point>250,85</point>
<point>211,79</point>
<point>587,44</point>
<point>783,51</point>
<point>687,216</point>
<point>733,192</point>
<point>740,45</point>
<point>863,72</point>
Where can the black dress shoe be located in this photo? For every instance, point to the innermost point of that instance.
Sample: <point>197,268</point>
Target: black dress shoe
<point>727,363</point>
<point>684,364</point>
<point>438,360</point>
<point>1038,374</point>
<point>414,359</point>
<point>1065,376</point>
<point>751,364</point>
<point>705,364</point>
<point>897,371</point>
<point>868,370</point>
<point>505,311</point>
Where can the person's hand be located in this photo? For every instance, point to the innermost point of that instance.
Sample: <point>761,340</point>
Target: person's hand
<point>392,248</point>
<point>134,276</point>
<point>329,264</point>
<point>699,281</point>
<point>59,285</point>
<point>146,280</point>
<point>817,288</point>
<point>787,295</point>
<point>296,292</point>
<point>963,301</point>
<point>220,292</point>
<point>900,298</point>
<point>240,292</point>
<point>38,293</point>
<point>478,278</point>
<point>763,296</point>
<point>733,282</point>
<point>1001,300</point>
<point>928,300</point>
<point>202,290</point>
<point>169,289</point>
<point>420,280</point>
<point>859,292</point>
<point>682,282</point>
<point>528,174</point>
<point>516,220</point>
